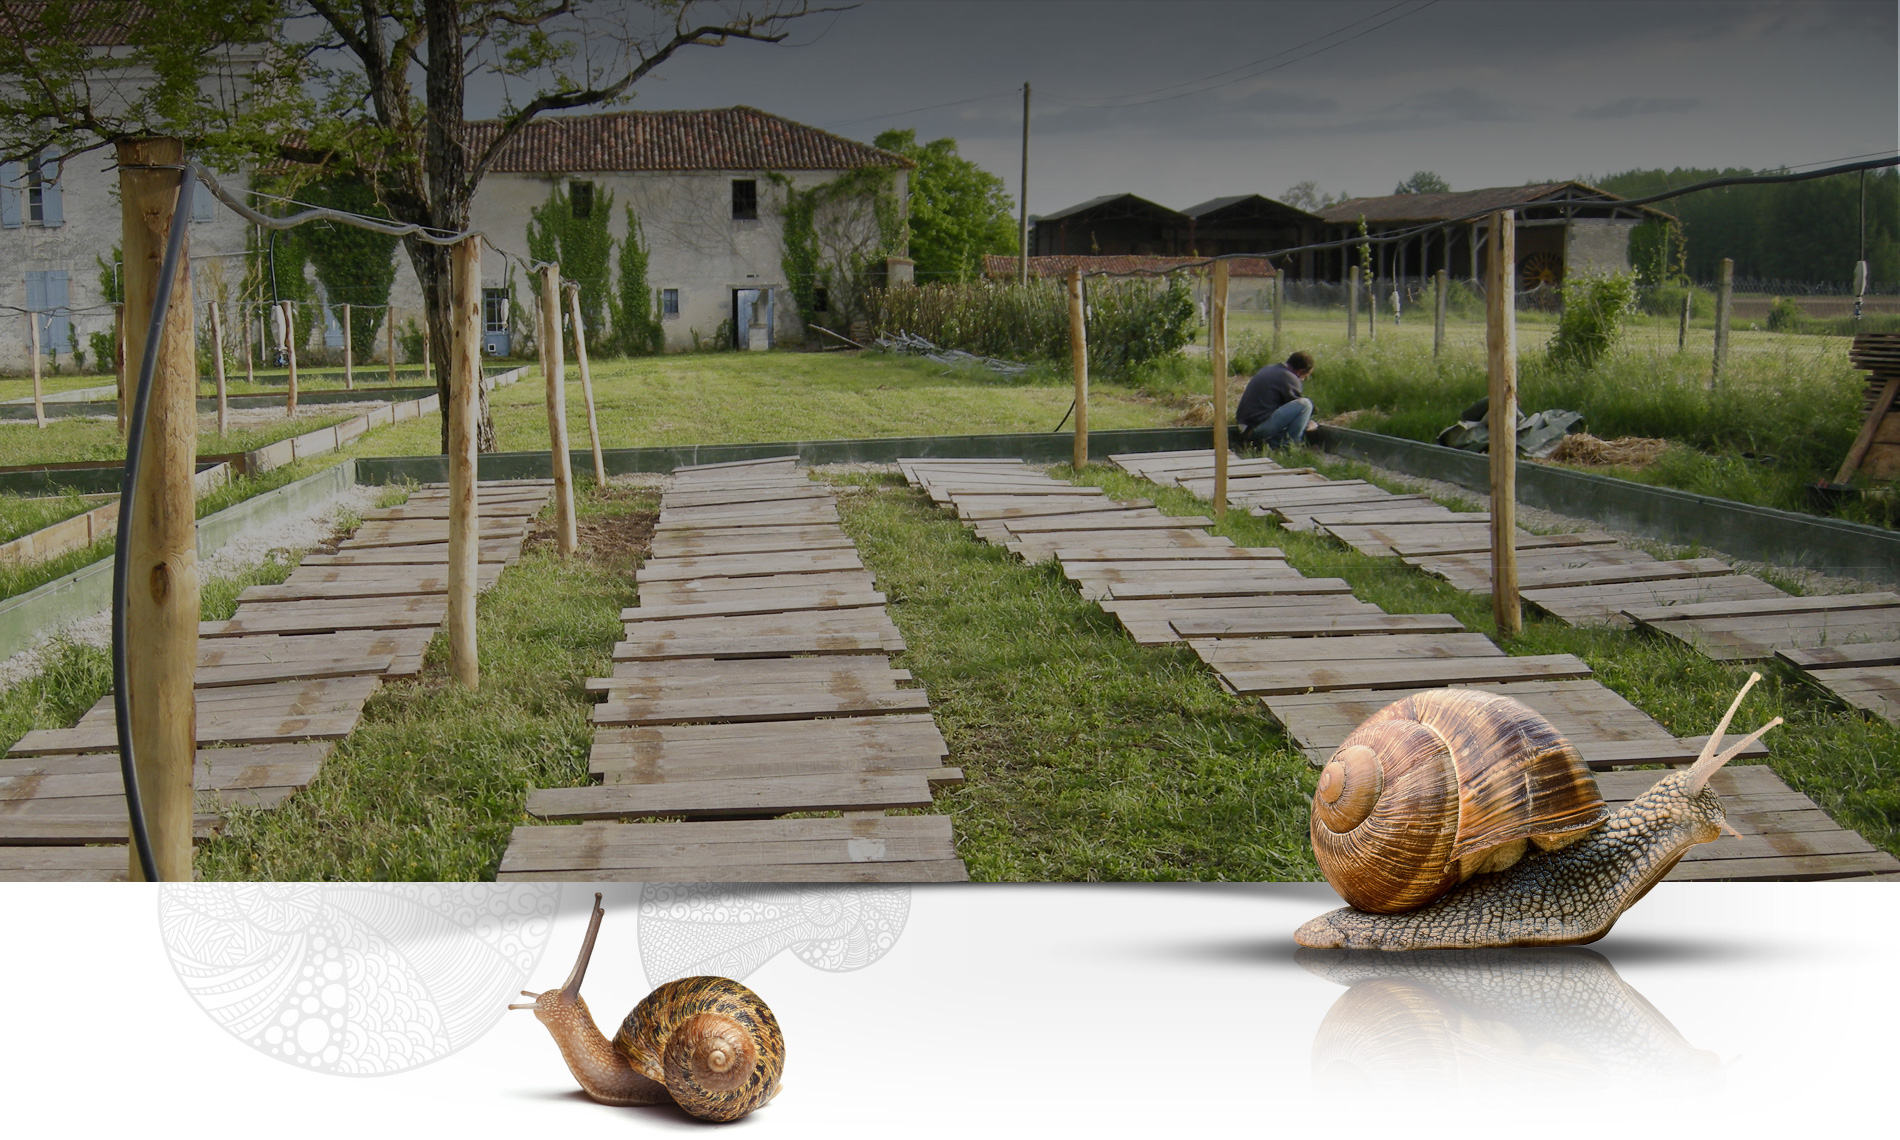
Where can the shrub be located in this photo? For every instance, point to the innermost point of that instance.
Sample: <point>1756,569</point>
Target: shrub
<point>1593,315</point>
<point>1785,316</point>
<point>410,338</point>
<point>1666,301</point>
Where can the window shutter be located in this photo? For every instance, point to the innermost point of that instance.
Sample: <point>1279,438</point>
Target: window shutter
<point>52,210</point>
<point>12,175</point>
<point>36,301</point>
<point>58,330</point>
<point>203,205</point>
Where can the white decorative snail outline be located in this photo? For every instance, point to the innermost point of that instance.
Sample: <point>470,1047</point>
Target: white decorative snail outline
<point>731,929</point>
<point>360,979</point>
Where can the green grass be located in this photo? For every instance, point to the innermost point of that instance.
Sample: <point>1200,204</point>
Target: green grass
<point>81,440</point>
<point>763,397</point>
<point>21,516</point>
<point>434,777</point>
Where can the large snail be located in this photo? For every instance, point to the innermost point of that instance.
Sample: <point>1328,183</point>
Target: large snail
<point>709,1045</point>
<point>1461,819</point>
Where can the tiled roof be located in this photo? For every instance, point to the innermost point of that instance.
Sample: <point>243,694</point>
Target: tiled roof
<point>98,23</point>
<point>1458,203</point>
<point>731,138</point>
<point>1003,266</point>
<point>1102,200</point>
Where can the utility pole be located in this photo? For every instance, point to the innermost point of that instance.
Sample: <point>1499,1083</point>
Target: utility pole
<point>1022,203</point>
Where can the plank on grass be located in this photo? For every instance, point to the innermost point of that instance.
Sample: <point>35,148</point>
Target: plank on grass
<point>748,603</point>
<point>1786,604</point>
<point>767,796</point>
<point>1285,650</point>
<point>1872,689</point>
<point>1291,625</point>
<point>1304,677</point>
<point>63,864</point>
<point>757,646</point>
<point>747,565</point>
<point>664,849</point>
<point>758,706</point>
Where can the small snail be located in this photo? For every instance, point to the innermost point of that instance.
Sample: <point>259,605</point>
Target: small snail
<point>1460,819</point>
<point>709,1045</point>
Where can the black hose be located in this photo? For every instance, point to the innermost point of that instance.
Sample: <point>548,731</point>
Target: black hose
<point>1065,417</point>
<point>122,549</point>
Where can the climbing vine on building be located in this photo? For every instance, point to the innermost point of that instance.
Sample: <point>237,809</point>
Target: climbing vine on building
<point>637,329</point>
<point>837,236</point>
<point>571,229</point>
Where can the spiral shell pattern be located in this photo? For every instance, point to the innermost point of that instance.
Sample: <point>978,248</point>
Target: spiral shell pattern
<point>711,1041</point>
<point>1442,785</point>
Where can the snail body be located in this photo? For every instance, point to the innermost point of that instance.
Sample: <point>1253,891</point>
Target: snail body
<point>709,1045</point>
<point>1571,888</point>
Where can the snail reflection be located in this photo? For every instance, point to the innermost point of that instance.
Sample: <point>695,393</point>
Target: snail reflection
<point>1545,1016</point>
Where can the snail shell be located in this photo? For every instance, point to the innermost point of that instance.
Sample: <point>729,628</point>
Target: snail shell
<point>1440,786</point>
<point>712,1042</point>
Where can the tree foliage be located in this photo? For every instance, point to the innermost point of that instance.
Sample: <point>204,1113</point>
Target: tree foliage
<point>959,212</point>
<point>1309,197</point>
<point>584,247</point>
<point>1791,231</point>
<point>355,266</point>
<point>637,328</point>
<point>1423,182</point>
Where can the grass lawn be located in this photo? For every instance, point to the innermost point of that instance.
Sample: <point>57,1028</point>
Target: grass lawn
<point>84,439</point>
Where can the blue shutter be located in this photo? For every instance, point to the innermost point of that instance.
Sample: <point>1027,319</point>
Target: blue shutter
<point>58,330</point>
<point>52,211</point>
<point>36,301</point>
<point>11,177</point>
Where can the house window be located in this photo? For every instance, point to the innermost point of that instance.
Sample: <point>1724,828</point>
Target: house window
<point>494,310</point>
<point>745,200</point>
<point>669,304</point>
<point>580,198</point>
<point>30,191</point>
<point>820,300</point>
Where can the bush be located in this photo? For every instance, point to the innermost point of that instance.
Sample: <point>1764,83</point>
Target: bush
<point>1666,301</point>
<point>410,338</point>
<point>1130,323</point>
<point>1593,315</point>
<point>1785,316</point>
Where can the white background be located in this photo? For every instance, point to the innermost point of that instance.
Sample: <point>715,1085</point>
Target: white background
<point>1015,1010</point>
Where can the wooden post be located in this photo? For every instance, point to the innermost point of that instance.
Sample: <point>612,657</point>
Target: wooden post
<point>428,373</point>
<point>1500,302</point>
<point>1724,298</point>
<point>162,564</point>
<point>349,352</point>
<point>118,360</point>
<point>1079,365</point>
<point>1217,350</point>
<point>1440,281</point>
<point>250,367</point>
<point>1352,306</point>
<point>1372,308</point>
<point>290,355</point>
<point>465,378</point>
<point>587,380</point>
<point>389,328</point>
<point>1279,303</point>
<point>1022,204</point>
<point>217,363</point>
<point>33,353</point>
<point>554,370</point>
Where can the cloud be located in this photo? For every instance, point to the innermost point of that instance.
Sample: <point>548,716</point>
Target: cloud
<point>1633,106</point>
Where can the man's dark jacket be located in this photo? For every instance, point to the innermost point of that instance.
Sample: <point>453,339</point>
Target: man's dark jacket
<point>1272,386</point>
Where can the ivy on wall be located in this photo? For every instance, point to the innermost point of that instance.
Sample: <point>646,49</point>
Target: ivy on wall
<point>830,246</point>
<point>637,329</point>
<point>581,244</point>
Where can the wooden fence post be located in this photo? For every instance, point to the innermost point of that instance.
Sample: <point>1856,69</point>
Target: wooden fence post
<point>1501,346</point>
<point>1079,365</point>
<point>33,353</point>
<point>290,351</point>
<point>250,367</point>
<point>587,380</point>
<point>349,352</point>
<point>1372,308</point>
<point>1352,306</point>
<point>1682,329</point>
<point>1279,303</point>
<point>465,379</point>
<point>389,328</point>
<point>1217,350</point>
<point>554,370</point>
<point>1440,281</point>
<point>161,570</point>
<point>118,360</point>
<point>217,363</point>
<point>1724,299</point>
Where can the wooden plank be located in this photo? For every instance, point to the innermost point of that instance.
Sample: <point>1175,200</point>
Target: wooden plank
<point>770,796</point>
<point>756,646</point>
<point>1836,656</point>
<point>750,602</point>
<point>1291,625</point>
<point>1016,509</point>
<point>758,706</point>
<point>1603,604</point>
<point>728,495</point>
<point>1756,638</point>
<point>62,864</point>
<point>870,619</point>
<point>901,741</point>
<point>1198,587</point>
<point>673,545</point>
<point>919,871</point>
<point>1286,650</point>
<point>1107,521</point>
<point>660,848</point>
<point>748,565</point>
<point>1785,604</point>
<point>1307,677</point>
<point>1873,689</point>
<point>211,730</point>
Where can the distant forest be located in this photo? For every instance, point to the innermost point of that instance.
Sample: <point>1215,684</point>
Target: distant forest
<point>1795,231</point>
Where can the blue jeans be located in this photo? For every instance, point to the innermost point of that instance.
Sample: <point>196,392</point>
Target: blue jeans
<point>1286,425</point>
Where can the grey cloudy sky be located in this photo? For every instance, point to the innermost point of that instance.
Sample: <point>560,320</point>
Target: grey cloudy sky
<point>1184,101</point>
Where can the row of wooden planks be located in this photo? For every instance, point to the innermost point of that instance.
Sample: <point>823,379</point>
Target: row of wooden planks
<point>754,683</point>
<point>276,684</point>
<point>1319,659</point>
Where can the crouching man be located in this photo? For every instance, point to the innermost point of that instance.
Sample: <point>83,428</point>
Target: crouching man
<point>1272,410</point>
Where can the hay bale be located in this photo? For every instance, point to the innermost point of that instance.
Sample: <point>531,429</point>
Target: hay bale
<point>1586,450</point>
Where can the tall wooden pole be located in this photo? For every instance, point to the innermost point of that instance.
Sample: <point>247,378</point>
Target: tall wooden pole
<point>1440,281</point>
<point>1682,329</point>
<point>1372,307</point>
<point>1217,351</point>
<point>250,367</point>
<point>1022,203</point>
<point>1279,307</point>
<point>349,352</point>
<point>1079,368</point>
<point>162,566</point>
<point>118,359</point>
<point>1500,298</point>
<point>290,355</point>
<point>33,353</point>
<point>465,378</point>
<point>217,363</point>
<point>587,380</point>
<point>554,369</point>
<point>389,329</point>
<point>1352,306</point>
<point>1724,299</point>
